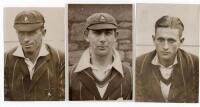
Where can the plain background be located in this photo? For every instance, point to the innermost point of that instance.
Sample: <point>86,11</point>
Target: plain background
<point>148,14</point>
<point>54,24</point>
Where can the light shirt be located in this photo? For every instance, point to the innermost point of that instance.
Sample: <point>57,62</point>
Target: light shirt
<point>84,63</point>
<point>101,75</point>
<point>31,65</point>
<point>102,90</point>
<point>166,73</point>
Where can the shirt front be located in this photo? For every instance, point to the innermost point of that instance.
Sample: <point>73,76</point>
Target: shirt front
<point>31,65</point>
<point>86,63</point>
<point>166,73</point>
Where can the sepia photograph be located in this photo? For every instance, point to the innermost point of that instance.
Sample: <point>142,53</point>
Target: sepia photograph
<point>167,53</point>
<point>100,51</point>
<point>34,58</point>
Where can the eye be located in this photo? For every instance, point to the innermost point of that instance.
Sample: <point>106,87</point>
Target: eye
<point>171,40</point>
<point>108,32</point>
<point>97,32</point>
<point>160,39</point>
<point>32,32</point>
<point>20,33</point>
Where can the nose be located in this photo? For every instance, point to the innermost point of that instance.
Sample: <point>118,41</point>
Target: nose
<point>102,38</point>
<point>166,45</point>
<point>26,37</point>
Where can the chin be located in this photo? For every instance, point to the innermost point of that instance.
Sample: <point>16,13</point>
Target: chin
<point>166,57</point>
<point>102,53</point>
<point>28,51</point>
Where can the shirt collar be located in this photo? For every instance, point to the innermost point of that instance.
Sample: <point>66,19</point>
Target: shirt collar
<point>155,61</point>
<point>84,62</point>
<point>19,52</point>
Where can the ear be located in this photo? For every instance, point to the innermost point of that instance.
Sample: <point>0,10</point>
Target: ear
<point>182,39</point>
<point>116,35</point>
<point>153,37</point>
<point>44,32</point>
<point>86,35</point>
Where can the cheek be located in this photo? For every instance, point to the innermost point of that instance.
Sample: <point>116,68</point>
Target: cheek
<point>174,47</point>
<point>37,40</point>
<point>20,39</point>
<point>158,46</point>
<point>111,40</point>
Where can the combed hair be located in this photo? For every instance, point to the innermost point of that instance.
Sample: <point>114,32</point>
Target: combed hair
<point>170,22</point>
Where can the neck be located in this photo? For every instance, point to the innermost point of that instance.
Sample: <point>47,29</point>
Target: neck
<point>32,55</point>
<point>168,62</point>
<point>101,61</point>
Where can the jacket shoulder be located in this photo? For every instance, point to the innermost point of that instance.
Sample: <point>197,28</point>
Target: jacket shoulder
<point>126,68</point>
<point>8,54</point>
<point>140,58</point>
<point>143,60</point>
<point>192,57</point>
<point>11,51</point>
<point>56,54</point>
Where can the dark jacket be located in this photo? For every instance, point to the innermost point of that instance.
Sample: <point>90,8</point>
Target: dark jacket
<point>82,87</point>
<point>185,78</point>
<point>47,82</point>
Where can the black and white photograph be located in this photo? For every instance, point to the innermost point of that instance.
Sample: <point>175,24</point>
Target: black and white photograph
<point>34,59</point>
<point>100,51</point>
<point>167,53</point>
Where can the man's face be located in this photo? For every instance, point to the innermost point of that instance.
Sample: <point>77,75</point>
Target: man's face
<point>30,40</point>
<point>101,41</point>
<point>167,41</point>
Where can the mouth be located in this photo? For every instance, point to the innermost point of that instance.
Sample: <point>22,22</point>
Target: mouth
<point>27,45</point>
<point>166,53</point>
<point>101,47</point>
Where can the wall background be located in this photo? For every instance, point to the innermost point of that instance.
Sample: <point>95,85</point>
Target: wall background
<point>77,15</point>
<point>54,24</point>
<point>148,14</point>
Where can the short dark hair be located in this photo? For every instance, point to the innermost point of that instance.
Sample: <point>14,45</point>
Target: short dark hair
<point>170,22</point>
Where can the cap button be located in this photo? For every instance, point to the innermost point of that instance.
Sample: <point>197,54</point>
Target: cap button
<point>102,18</point>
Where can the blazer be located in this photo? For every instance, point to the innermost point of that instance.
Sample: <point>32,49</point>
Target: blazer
<point>47,82</point>
<point>185,78</point>
<point>83,87</point>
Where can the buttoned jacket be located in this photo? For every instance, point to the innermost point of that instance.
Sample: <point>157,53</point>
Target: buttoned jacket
<point>47,82</point>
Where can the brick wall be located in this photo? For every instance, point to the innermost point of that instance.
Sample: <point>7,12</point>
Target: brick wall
<point>77,15</point>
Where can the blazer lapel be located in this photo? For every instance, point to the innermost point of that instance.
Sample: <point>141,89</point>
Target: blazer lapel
<point>88,82</point>
<point>177,86</point>
<point>156,83</point>
<point>23,67</point>
<point>39,70</point>
<point>114,83</point>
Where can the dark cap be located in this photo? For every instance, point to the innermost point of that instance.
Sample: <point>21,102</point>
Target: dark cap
<point>101,21</point>
<point>29,20</point>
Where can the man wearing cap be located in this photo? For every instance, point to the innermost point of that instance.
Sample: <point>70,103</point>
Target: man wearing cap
<point>168,73</point>
<point>100,74</point>
<point>33,70</point>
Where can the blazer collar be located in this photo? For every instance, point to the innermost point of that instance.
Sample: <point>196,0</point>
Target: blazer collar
<point>84,62</point>
<point>19,52</point>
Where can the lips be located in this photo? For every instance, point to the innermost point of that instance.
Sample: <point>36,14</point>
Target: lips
<point>166,53</point>
<point>27,45</point>
<point>102,47</point>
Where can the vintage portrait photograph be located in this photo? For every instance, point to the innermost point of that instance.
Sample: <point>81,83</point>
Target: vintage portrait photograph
<point>34,58</point>
<point>100,51</point>
<point>167,53</point>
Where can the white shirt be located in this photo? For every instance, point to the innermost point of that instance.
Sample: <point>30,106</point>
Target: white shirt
<point>31,65</point>
<point>84,63</point>
<point>166,74</point>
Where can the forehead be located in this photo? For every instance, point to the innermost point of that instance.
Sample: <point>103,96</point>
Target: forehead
<point>167,32</point>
